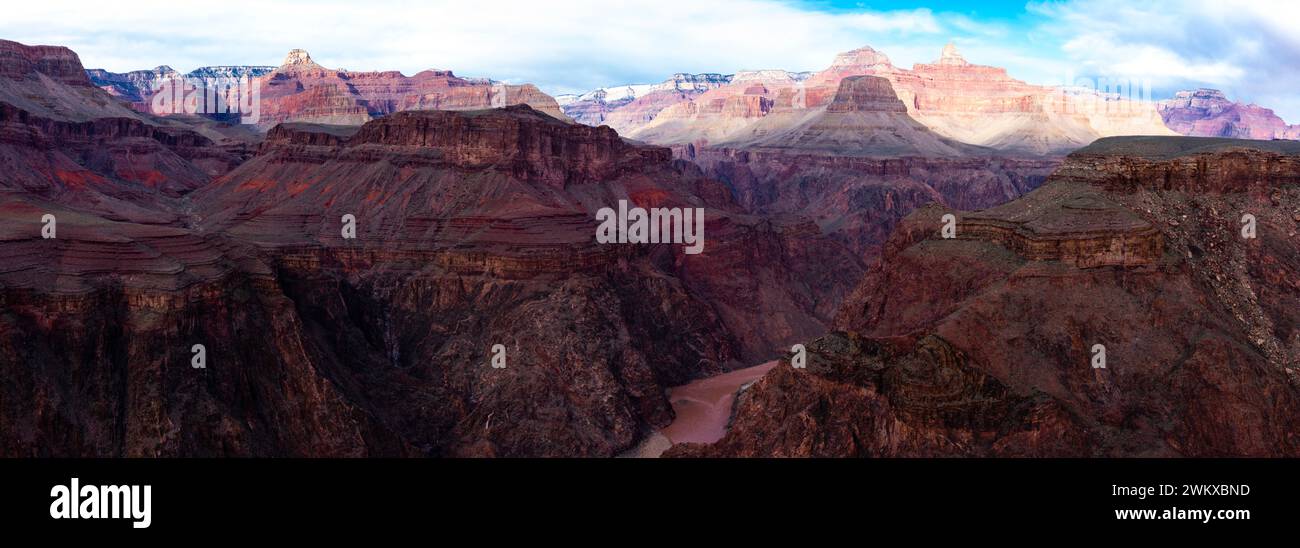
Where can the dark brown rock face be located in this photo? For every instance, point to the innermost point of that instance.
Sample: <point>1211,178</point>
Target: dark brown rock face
<point>474,229</point>
<point>859,200</point>
<point>983,345</point>
<point>866,94</point>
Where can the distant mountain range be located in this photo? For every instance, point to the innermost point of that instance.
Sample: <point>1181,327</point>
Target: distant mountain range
<point>300,90</point>
<point>957,100</point>
<point>971,103</point>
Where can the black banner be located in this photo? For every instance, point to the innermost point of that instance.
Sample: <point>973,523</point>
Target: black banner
<point>237,497</point>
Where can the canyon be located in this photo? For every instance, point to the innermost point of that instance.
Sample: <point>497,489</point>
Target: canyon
<point>474,228</point>
<point>476,206</point>
<point>859,164</point>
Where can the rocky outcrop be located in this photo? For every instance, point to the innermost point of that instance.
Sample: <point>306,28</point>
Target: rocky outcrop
<point>860,164</point>
<point>984,344</point>
<point>1209,113</point>
<point>22,62</point>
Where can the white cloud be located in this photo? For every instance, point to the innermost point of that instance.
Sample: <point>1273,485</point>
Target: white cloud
<point>577,44</point>
<point>1247,49</point>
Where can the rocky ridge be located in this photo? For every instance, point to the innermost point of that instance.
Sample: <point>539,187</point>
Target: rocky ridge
<point>1209,113</point>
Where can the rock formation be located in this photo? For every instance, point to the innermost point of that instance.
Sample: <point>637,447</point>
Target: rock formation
<point>301,90</point>
<point>1208,113</point>
<point>985,344</point>
<point>864,118</point>
<point>973,104</point>
<point>67,142</point>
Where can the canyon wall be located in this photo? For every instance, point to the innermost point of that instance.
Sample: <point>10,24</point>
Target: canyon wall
<point>474,228</point>
<point>984,344</point>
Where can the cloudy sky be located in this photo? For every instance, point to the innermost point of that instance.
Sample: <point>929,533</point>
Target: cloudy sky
<point>1251,49</point>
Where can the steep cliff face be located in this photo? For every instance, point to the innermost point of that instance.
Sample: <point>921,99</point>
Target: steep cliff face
<point>984,344</point>
<point>1209,113</point>
<point>49,82</point>
<point>538,148</point>
<point>60,64</point>
<point>97,337</point>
